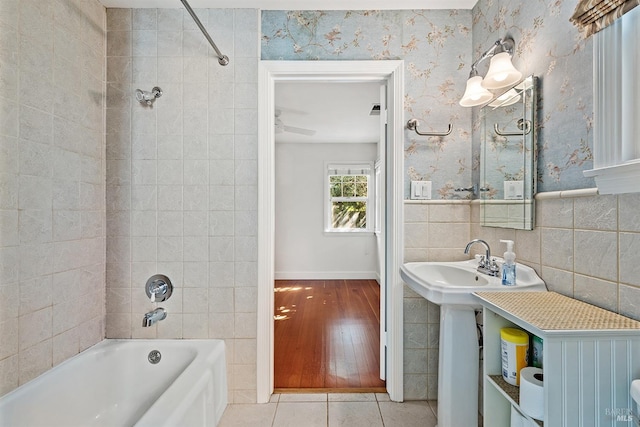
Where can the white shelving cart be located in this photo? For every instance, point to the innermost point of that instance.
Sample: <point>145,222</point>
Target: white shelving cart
<point>590,357</point>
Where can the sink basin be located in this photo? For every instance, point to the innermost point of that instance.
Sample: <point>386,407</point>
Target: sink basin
<point>455,282</point>
<point>441,274</point>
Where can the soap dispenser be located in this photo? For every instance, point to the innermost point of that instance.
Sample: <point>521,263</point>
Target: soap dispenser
<point>509,266</point>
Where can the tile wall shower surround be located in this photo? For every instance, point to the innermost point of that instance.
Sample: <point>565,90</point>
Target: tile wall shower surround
<point>182,179</point>
<point>52,209</point>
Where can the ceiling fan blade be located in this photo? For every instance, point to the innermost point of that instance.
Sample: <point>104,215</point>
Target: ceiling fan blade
<point>280,110</point>
<point>293,129</point>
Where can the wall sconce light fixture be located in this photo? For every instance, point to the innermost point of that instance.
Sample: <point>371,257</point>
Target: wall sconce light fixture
<point>501,74</point>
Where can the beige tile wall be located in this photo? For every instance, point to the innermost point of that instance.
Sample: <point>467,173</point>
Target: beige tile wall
<point>52,171</point>
<point>434,231</point>
<point>182,179</point>
<point>584,247</point>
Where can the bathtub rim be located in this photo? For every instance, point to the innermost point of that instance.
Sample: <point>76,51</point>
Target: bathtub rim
<point>189,377</point>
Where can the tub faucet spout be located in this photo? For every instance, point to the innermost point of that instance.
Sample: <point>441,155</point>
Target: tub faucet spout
<point>153,317</point>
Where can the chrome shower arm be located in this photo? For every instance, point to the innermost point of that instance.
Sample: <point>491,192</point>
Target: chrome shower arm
<point>222,59</point>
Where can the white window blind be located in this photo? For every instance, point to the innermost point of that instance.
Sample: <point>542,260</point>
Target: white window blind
<point>349,169</point>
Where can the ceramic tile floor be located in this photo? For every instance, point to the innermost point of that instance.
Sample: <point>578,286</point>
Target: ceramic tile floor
<point>331,410</point>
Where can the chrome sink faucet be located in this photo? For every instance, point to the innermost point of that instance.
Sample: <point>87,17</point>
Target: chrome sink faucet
<point>153,317</point>
<point>486,265</point>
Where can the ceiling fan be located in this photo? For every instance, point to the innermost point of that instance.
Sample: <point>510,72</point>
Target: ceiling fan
<point>281,127</point>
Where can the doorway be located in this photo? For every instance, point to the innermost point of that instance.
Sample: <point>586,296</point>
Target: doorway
<point>327,310</point>
<point>390,72</point>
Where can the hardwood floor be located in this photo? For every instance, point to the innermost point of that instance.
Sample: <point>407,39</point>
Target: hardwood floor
<point>327,335</point>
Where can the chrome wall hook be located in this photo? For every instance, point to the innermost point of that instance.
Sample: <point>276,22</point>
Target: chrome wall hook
<point>148,98</point>
<point>413,124</point>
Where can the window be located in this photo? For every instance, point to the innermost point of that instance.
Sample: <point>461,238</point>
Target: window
<point>617,106</point>
<point>348,197</point>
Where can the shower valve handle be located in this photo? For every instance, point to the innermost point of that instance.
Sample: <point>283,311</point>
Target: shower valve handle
<point>158,288</point>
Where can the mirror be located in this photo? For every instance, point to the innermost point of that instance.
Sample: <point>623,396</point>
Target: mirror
<point>508,158</point>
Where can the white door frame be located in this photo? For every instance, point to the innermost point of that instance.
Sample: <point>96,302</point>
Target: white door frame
<point>339,71</point>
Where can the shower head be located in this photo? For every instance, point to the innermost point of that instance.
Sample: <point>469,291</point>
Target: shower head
<point>145,97</point>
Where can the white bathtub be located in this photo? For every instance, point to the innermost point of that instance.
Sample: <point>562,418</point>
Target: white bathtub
<point>114,384</point>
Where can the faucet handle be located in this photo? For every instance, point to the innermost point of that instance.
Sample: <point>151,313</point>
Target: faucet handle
<point>159,288</point>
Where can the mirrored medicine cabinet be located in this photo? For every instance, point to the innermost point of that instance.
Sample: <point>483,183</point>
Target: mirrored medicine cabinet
<point>508,158</point>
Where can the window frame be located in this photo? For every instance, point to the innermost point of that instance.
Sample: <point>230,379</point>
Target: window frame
<point>328,199</point>
<point>616,147</point>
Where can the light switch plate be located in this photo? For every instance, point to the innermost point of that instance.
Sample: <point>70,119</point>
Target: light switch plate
<point>420,190</point>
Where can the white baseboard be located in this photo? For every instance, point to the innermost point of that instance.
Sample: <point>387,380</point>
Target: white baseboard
<point>325,275</point>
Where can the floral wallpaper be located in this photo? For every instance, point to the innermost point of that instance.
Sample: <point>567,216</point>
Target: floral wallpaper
<point>438,47</point>
<point>549,46</point>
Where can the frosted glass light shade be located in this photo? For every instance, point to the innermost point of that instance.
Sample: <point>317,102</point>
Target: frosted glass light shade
<point>475,94</point>
<point>510,97</point>
<point>501,72</point>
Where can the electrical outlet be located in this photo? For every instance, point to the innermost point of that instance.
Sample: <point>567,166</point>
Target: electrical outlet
<point>513,190</point>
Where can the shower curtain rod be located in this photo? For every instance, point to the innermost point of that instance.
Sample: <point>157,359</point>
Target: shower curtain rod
<point>222,59</point>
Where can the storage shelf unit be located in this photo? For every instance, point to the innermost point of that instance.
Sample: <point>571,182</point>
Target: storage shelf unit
<point>590,357</point>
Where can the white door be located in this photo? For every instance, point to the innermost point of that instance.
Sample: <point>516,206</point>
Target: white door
<point>380,229</point>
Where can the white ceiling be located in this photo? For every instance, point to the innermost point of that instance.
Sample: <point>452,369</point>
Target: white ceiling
<point>298,4</point>
<point>338,112</point>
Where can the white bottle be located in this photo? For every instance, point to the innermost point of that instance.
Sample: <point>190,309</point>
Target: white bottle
<point>509,266</point>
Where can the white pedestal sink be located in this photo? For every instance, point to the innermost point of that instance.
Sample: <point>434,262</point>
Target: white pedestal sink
<point>451,285</point>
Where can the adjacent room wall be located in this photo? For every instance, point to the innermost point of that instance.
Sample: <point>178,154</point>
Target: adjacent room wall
<point>52,175</point>
<point>302,249</point>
